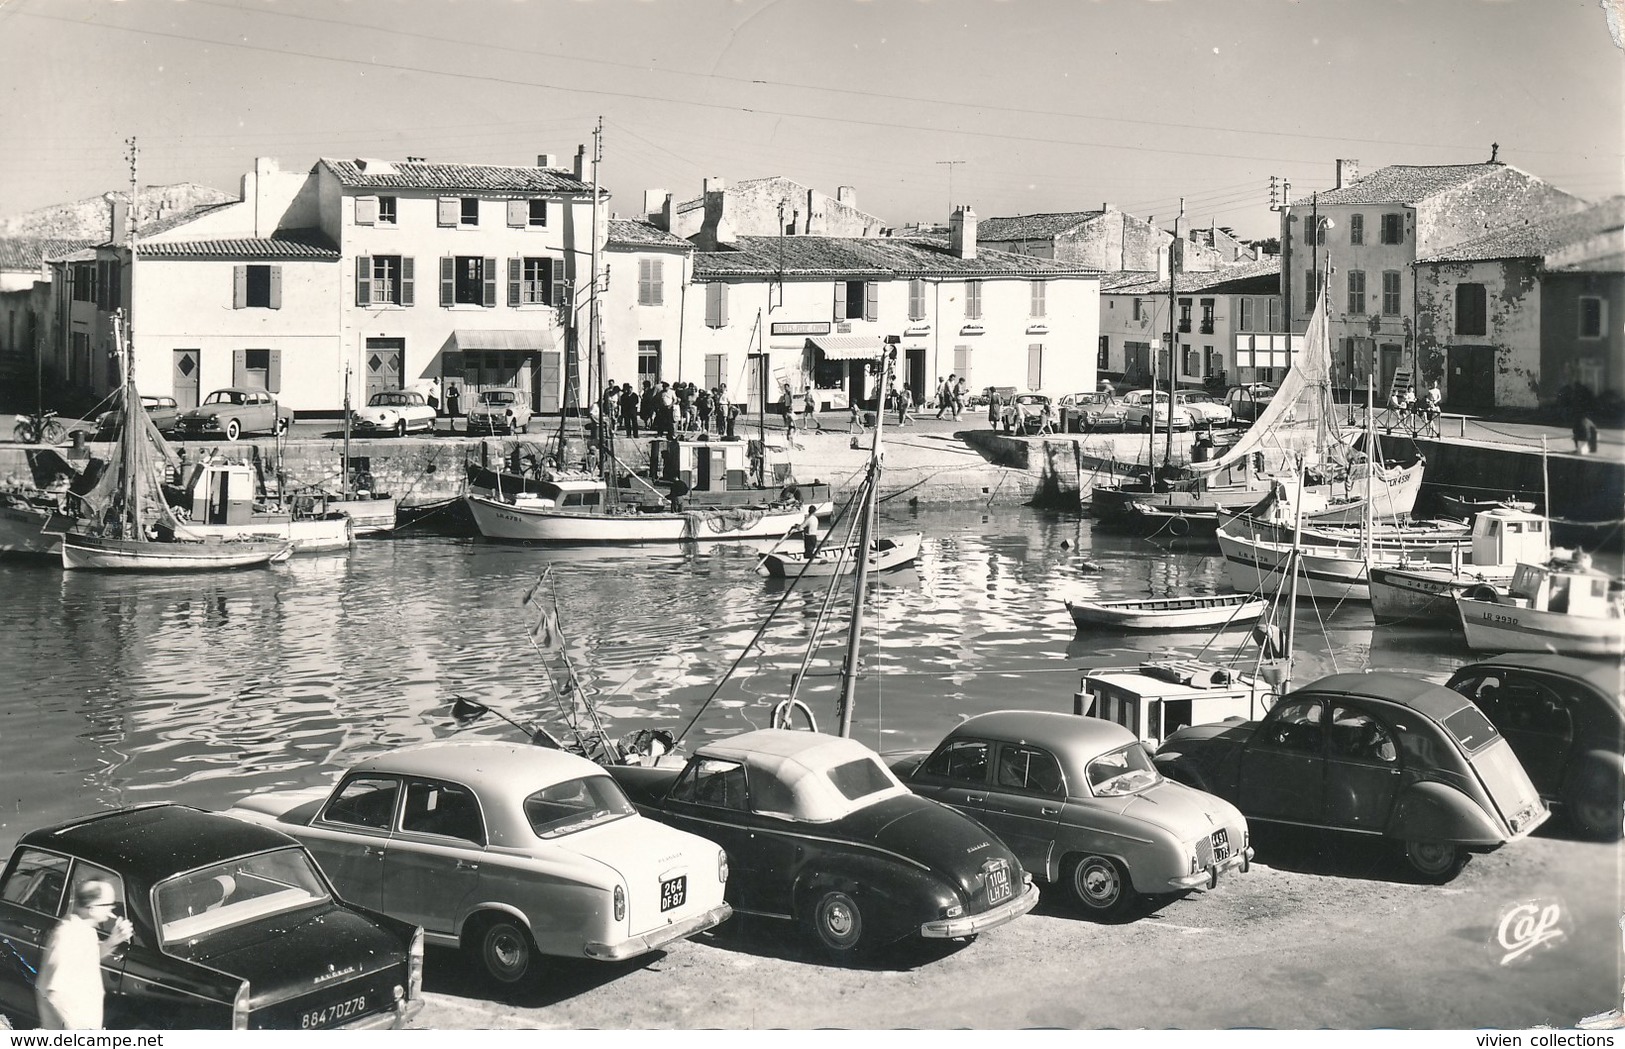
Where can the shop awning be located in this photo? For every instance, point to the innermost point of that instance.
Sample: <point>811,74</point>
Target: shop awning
<point>847,347</point>
<point>526,339</point>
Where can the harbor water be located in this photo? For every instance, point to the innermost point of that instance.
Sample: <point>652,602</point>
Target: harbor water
<point>200,689</point>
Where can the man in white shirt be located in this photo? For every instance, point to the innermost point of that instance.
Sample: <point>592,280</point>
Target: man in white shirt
<point>68,991</point>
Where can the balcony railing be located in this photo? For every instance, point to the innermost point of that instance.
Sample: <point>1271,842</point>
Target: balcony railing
<point>1207,327</point>
<point>1185,325</point>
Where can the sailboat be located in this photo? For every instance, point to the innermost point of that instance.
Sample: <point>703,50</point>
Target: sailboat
<point>128,527</point>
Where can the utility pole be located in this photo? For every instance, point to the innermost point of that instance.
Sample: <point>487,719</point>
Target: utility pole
<point>1177,249</point>
<point>129,229</point>
<point>950,164</point>
<point>595,348</point>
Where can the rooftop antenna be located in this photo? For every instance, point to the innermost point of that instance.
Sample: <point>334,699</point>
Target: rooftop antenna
<point>950,164</point>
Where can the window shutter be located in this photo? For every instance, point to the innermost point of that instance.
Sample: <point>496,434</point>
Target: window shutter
<point>448,280</point>
<point>518,212</point>
<point>1035,366</point>
<point>657,282</point>
<point>840,300</point>
<point>273,371</point>
<point>101,284</point>
<point>363,280</point>
<point>276,288</point>
<point>713,305</point>
<point>239,367</point>
<point>406,281</point>
<point>489,272</point>
<point>916,300</point>
<point>366,211</point>
<point>239,287</point>
<point>115,291</point>
<point>555,288</point>
<point>513,271</point>
<point>871,300</point>
<point>448,211</point>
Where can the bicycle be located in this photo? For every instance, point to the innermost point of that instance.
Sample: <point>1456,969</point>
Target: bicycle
<point>41,428</point>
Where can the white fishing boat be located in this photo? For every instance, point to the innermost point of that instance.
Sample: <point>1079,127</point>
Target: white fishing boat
<point>22,516</point>
<point>1565,606</point>
<point>221,498</point>
<point>886,554</point>
<point>1167,613</point>
<point>575,510</point>
<point>1421,594</point>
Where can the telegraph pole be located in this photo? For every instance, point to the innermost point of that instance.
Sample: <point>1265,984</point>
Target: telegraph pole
<point>1176,251</point>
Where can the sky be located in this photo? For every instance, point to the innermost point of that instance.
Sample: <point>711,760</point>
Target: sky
<point>1009,106</point>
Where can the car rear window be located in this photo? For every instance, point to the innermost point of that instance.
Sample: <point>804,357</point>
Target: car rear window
<point>860,778</point>
<point>576,804</point>
<point>194,906</point>
<point>1471,728</point>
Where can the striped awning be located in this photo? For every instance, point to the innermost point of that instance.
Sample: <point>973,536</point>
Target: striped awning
<point>847,347</point>
<point>527,339</point>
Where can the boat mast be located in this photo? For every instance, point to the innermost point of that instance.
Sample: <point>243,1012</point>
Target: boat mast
<point>1175,251</point>
<point>849,671</point>
<point>1293,563</point>
<point>595,349</point>
<point>124,338</point>
<point>349,479</point>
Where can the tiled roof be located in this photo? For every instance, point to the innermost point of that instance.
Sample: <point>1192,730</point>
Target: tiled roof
<point>284,244</point>
<point>1033,227</point>
<point>634,233</point>
<point>415,174</point>
<point>1612,262</point>
<point>859,257</point>
<point>1246,278</point>
<point>29,253</point>
<point>1408,184</point>
<point>1125,279</point>
<point>1539,235</point>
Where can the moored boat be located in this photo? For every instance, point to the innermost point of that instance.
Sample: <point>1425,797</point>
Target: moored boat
<point>1564,606</point>
<point>220,498</point>
<point>1422,594</point>
<point>574,510</point>
<point>113,554</point>
<point>1167,613</point>
<point>886,554</point>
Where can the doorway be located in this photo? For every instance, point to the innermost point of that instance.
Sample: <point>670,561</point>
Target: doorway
<point>1472,377</point>
<point>383,365</point>
<point>184,377</point>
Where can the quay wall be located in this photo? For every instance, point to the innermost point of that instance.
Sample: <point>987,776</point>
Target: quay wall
<point>1582,487</point>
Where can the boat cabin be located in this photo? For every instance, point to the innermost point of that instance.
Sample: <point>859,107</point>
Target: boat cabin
<point>1159,697</point>
<point>1566,587</point>
<point>705,466</point>
<point>565,493</point>
<point>1508,535</point>
<point>219,491</point>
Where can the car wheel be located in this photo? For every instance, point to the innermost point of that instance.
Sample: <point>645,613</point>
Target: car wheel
<point>838,922</point>
<point>1436,861</point>
<point>400,428</point>
<point>503,949</point>
<point>1099,885</point>
<point>234,429</point>
<point>1145,424</point>
<point>1595,808</point>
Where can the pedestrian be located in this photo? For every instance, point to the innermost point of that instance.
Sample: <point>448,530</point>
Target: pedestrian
<point>685,405</point>
<point>433,395</point>
<point>808,403</point>
<point>666,411</point>
<point>68,989</point>
<point>809,531</point>
<point>609,406</point>
<point>648,403</point>
<point>679,490</point>
<point>905,401</point>
<point>454,403</point>
<point>993,405</point>
<point>1585,435</point>
<point>702,409</point>
<point>945,395</point>
<point>788,408</point>
<point>958,398</point>
<point>855,425</point>
<point>629,409</point>
<point>1109,390</point>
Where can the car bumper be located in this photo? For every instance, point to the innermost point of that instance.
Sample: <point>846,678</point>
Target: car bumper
<point>394,1019</point>
<point>653,941</point>
<point>971,924</point>
<point>1209,878</point>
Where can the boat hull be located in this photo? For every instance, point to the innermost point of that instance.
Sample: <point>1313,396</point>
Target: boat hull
<point>1168,613</point>
<point>306,535</point>
<point>1329,574</point>
<point>1497,627</point>
<point>20,533</point>
<point>1424,596</point>
<point>1393,494</point>
<point>885,555</point>
<point>502,520</point>
<point>367,516</point>
<point>99,553</point>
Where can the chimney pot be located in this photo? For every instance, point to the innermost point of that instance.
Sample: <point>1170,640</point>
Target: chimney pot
<point>1347,172</point>
<point>581,164</point>
<point>546,160</point>
<point>962,232</point>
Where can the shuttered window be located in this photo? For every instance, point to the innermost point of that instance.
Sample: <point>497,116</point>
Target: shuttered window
<point>871,301</point>
<point>447,210</point>
<point>973,300</point>
<point>716,368</point>
<point>1356,229</point>
<point>537,212</point>
<point>518,212</point>
<point>651,290</point>
<point>256,287</point>
<point>366,211</point>
<point>1356,291</point>
<point>1390,293</point>
<point>1039,290</point>
<point>716,305</point>
<point>1035,366</point>
<point>1393,229</point>
<point>1471,310</point>
<point>916,300</point>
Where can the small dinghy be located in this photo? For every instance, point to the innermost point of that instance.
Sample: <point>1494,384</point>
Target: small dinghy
<point>885,554</point>
<point>1168,613</point>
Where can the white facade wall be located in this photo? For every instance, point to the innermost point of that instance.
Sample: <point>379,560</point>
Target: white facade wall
<point>623,321</point>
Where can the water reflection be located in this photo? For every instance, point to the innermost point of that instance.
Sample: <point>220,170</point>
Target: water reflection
<point>201,689</point>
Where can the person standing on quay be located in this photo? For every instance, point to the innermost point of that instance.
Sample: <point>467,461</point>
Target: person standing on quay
<point>68,990</point>
<point>629,409</point>
<point>789,409</point>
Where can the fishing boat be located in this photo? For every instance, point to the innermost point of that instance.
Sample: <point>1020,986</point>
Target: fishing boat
<point>1167,613</point>
<point>578,510</point>
<point>1425,594</point>
<point>886,554</point>
<point>127,526</point>
<point>1565,605</point>
<point>23,517</point>
<point>223,498</point>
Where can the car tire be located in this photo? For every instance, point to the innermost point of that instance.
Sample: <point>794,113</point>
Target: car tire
<point>400,428</point>
<point>1100,886</point>
<point>1593,805</point>
<point>503,948</point>
<point>1145,425</point>
<point>837,921</point>
<point>234,429</point>
<point>1436,862</point>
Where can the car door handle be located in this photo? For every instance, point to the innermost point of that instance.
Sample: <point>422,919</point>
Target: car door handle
<point>1049,810</point>
<point>371,850</point>
<point>976,797</point>
<point>465,865</point>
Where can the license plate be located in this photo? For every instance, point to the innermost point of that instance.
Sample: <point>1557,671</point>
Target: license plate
<point>673,893</point>
<point>998,883</point>
<point>332,1014</point>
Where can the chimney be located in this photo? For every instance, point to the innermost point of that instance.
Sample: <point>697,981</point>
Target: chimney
<point>715,230</point>
<point>1162,261</point>
<point>652,201</point>
<point>1347,172</point>
<point>668,214</point>
<point>962,232</point>
<point>118,218</point>
<point>581,164</point>
<point>846,195</point>
<point>546,160</point>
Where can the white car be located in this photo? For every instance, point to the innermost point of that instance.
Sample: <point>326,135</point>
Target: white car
<point>507,850</point>
<point>1204,410</point>
<point>394,411</point>
<point>499,411</point>
<point>1147,409</point>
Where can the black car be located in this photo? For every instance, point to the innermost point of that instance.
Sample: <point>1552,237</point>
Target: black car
<point>235,927</point>
<point>819,831</point>
<point>1564,720</point>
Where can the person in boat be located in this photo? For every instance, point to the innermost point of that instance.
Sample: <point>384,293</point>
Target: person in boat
<point>809,531</point>
<point>678,491</point>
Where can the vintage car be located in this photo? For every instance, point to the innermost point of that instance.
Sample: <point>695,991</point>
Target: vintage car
<point>395,412</point>
<point>234,927</point>
<point>1247,403</point>
<point>499,411</point>
<point>232,412</point>
<point>1204,410</point>
<point>1383,754</point>
<point>1562,716</point>
<point>1080,803</point>
<point>1146,410</point>
<point>507,851</point>
<point>820,832</point>
<point>163,411</point>
<point>1083,412</point>
<point>1027,413</point>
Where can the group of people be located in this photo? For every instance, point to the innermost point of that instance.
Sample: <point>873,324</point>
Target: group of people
<point>804,405</point>
<point>667,408</point>
<point>951,393</point>
<point>1403,405</point>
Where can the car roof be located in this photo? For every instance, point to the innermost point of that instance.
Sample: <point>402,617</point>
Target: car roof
<point>1054,728</point>
<point>487,765</point>
<point>240,389</point>
<point>1602,674</point>
<point>152,842</point>
<point>801,762</point>
<point>1425,697</point>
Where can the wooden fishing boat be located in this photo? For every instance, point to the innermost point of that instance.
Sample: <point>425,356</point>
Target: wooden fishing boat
<point>1167,613</point>
<point>885,554</point>
<point>1564,606</point>
<point>222,498</point>
<point>574,510</point>
<point>1425,594</point>
<point>111,554</point>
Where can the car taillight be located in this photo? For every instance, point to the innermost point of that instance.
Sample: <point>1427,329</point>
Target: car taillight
<point>722,867</point>
<point>239,1008</point>
<point>414,965</point>
<point>620,904</point>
